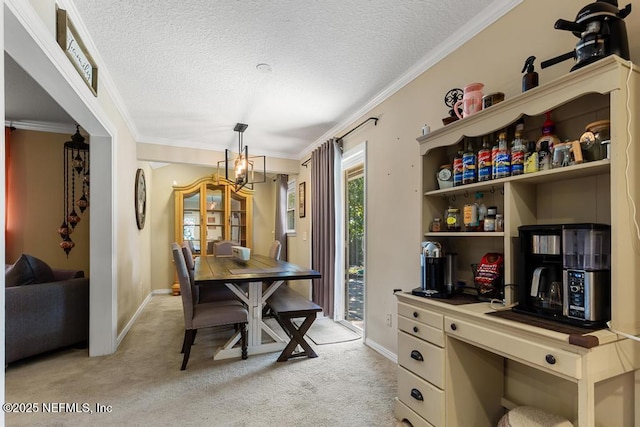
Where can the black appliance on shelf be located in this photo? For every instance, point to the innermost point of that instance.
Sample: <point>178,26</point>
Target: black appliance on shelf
<point>564,272</point>
<point>602,32</point>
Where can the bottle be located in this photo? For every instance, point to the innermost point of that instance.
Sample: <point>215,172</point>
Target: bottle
<point>494,155</point>
<point>453,219</point>
<point>436,225</point>
<point>531,158</point>
<point>482,210</point>
<point>470,216</point>
<point>499,222</point>
<point>548,133</point>
<point>517,155</point>
<point>469,164</point>
<point>544,156</point>
<point>530,79</point>
<point>490,220</point>
<point>484,161</point>
<point>457,167</point>
<point>503,160</point>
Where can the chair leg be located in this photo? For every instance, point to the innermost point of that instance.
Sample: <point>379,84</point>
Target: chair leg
<point>184,342</point>
<point>243,340</point>
<point>189,335</point>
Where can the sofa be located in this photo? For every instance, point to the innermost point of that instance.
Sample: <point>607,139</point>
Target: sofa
<point>45,308</point>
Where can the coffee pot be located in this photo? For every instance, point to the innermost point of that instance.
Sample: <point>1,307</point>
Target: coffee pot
<point>437,271</point>
<point>602,32</point>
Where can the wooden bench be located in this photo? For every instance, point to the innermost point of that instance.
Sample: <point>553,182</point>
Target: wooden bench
<point>287,304</point>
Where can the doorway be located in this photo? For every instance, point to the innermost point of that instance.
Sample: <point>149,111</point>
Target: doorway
<point>354,247</point>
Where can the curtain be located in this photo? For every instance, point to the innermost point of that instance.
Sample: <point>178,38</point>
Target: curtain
<point>323,223</point>
<point>7,145</point>
<point>282,184</point>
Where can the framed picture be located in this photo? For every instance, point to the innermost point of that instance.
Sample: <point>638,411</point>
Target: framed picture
<point>74,48</point>
<point>301,199</point>
<point>211,220</point>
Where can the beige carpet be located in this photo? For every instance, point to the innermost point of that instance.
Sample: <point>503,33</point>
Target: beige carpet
<point>347,385</point>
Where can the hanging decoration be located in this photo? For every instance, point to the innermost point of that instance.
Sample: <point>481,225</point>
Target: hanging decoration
<point>75,167</point>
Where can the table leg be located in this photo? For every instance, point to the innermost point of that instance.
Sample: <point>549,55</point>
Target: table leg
<point>255,300</point>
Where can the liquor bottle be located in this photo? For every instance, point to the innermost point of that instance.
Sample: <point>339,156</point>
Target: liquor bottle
<point>484,161</point>
<point>517,155</point>
<point>469,164</point>
<point>457,167</point>
<point>503,158</point>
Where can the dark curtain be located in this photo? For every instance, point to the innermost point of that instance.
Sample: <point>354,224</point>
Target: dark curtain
<point>323,224</point>
<point>282,184</point>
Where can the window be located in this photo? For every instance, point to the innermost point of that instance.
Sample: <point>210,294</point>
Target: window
<point>291,207</point>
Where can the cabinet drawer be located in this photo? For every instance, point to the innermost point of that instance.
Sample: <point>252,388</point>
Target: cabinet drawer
<point>422,331</point>
<point>423,359</point>
<point>403,412</point>
<point>547,358</point>
<point>425,399</point>
<point>421,315</point>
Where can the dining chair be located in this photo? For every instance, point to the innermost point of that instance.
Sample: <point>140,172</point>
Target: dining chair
<point>202,294</point>
<point>274,250</point>
<point>223,248</point>
<point>205,315</point>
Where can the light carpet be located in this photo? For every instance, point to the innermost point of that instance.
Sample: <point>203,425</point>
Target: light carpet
<point>326,331</point>
<point>347,385</point>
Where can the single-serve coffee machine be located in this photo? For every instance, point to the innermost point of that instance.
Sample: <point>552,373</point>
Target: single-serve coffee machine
<point>564,272</point>
<point>437,271</point>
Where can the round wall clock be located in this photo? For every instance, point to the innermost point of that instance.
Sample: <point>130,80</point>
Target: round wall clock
<point>140,198</point>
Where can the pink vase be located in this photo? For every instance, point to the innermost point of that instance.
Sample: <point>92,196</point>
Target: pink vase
<point>471,101</point>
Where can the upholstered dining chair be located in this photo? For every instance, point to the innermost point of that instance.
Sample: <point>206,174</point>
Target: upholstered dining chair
<point>202,294</point>
<point>274,250</point>
<point>205,315</point>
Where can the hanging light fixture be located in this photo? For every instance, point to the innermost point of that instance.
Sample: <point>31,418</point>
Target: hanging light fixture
<point>243,165</point>
<point>75,164</point>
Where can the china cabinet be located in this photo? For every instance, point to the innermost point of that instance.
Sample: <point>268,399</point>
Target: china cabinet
<point>209,210</point>
<point>480,364</point>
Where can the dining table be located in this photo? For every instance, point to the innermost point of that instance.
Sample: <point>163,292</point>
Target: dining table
<point>261,276</point>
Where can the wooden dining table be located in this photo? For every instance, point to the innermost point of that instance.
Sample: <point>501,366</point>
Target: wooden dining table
<point>258,270</point>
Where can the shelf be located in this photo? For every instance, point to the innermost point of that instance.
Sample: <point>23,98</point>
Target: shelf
<point>464,234</point>
<point>570,172</point>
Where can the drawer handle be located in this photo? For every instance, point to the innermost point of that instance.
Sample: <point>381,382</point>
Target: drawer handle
<point>415,314</point>
<point>415,329</point>
<point>415,393</point>
<point>551,360</point>
<point>416,355</point>
<point>454,326</point>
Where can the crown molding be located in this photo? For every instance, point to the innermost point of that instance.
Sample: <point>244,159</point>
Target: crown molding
<point>42,126</point>
<point>490,15</point>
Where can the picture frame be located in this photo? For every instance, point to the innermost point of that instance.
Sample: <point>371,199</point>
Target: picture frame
<point>301,199</point>
<point>211,220</point>
<point>69,40</point>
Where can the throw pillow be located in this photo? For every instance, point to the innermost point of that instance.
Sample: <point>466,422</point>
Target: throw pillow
<point>28,270</point>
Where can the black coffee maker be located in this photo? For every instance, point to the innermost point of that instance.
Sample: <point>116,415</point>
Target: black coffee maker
<point>602,32</point>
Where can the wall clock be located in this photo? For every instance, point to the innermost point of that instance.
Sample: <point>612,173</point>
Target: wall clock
<point>140,198</point>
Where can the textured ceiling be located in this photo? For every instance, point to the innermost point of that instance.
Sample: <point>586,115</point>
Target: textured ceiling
<point>186,70</point>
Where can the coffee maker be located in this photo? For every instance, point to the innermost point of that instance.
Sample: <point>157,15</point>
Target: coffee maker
<point>602,32</point>
<point>539,271</point>
<point>586,257</point>
<point>437,271</point>
<point>564,272</point>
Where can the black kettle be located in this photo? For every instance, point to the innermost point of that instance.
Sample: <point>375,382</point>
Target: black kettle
<point>602,32</point>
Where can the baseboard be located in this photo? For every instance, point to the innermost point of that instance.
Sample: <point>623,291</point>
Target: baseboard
<point>380,349</point>
<point>133,319</point>
<point>161,292</point>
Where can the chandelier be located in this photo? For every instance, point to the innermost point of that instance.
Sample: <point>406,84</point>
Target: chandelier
<point>243,164</point>
<point>76,167</point>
